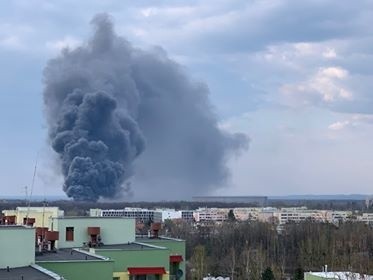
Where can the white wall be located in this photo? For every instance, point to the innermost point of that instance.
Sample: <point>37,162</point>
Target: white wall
<point>17,246</point>
<point>113,230</point>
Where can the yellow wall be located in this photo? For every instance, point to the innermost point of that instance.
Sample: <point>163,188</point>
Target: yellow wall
<point>121,275</point>
<point>42,215</point>
<point>126,276</point>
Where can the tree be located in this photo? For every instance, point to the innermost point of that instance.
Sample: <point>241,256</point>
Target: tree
<point>231,216</point>
<point>268,274</point>
<point>298,274</point>
<point>198,262</point>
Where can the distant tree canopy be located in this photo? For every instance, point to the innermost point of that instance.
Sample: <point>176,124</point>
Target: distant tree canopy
<point>231,216</point>
<point>268,274</point>
<point>299,274</point>
<point>243,250</point>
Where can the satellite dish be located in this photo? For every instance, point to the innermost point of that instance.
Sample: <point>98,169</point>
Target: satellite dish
<point>179,273</point>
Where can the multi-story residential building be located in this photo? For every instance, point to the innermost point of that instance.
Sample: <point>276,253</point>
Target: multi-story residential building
<point>296,215</point>
<point>366,218</point>
<point>169,214</point>
<point>36,216</point>
<point>246,213</point>
<point>139,214</point>
<point>17,255</point>
<point>211,214</point>
<point>267,215</point>
<point>85,248</point>
<point>338,216</point>
<point>187,215</point>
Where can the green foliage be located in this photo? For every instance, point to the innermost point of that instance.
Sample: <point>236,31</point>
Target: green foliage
<point>231,216</point>
<point>299,274</point>
<point>244,249</point>
<point>198,263</point>
<point>268,274</point>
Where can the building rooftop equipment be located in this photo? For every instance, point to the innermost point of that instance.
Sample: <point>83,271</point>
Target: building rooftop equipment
<point>66,255</point>
<point>89,217</point>
<point>130,246</point>
<point>33,272</point>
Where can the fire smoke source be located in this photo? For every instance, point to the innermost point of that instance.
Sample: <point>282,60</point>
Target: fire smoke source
<point>107,103</point>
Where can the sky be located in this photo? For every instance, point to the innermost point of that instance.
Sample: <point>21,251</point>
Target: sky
<point>295,76</point>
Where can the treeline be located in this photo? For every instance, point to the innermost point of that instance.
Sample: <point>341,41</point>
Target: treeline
<point>245,250</point>
<point>80,208</point>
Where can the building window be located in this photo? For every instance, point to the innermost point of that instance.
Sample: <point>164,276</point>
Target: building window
<point>69,234</point>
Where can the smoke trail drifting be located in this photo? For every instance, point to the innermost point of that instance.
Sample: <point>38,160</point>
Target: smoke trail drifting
<point>105,98</point>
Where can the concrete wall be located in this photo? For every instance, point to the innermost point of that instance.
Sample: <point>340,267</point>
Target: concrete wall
<point>113,230</point>
<point>123,259</point>
<point>81,270</point>
<point>17,246</point>
<point>174,246</point>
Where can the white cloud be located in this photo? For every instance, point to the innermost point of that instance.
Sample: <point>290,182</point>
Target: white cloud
<point>66,42</point>
<point>326,85</point>
<point>14,36</point>
<point>354,121</point>
<point>329,53</point>
<point>339,125</point>
<point>11,42</point>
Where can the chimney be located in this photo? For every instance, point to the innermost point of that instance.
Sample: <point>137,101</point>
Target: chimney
<point>155,228</point>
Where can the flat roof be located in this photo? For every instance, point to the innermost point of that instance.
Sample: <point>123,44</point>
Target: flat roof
<point>129,246</point>
<point>91,217</point>
<point>3,227</point>
<point>28,273</point>
<point>342,275</point>
<point>144,237</point>
<point>66,255</point>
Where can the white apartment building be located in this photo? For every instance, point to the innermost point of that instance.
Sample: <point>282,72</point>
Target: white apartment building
<point>336,216</point>
<point>141,215</point>
<point>246,213</point>
<point>169,214</point>
<point>187,215</point>
<point>211,214</point>
<point>268,215</point>
<point>296,215</point>
<point>366,218</point>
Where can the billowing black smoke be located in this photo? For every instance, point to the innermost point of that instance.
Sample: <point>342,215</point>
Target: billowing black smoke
<point>107,103</point>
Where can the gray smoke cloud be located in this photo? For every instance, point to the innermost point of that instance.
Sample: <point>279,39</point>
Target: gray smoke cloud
<point>108,103</point>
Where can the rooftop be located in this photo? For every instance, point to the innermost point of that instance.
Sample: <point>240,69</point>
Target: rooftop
<point>90,217</point>
<point>130,246</point>
<point>342,275</point>
<point>144,238</point>
<point>27,272</point>
<point>66,255</point>
<point>3,227</point>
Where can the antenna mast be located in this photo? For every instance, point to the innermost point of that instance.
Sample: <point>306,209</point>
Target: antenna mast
<point>32,188</point>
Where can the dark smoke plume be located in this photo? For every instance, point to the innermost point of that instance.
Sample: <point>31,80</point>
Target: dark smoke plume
<point>107,103</point>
